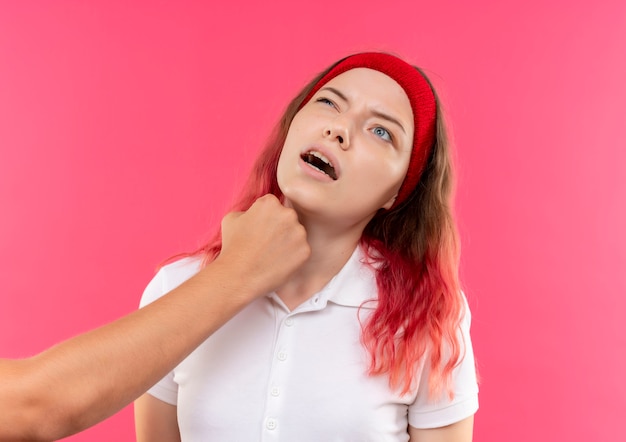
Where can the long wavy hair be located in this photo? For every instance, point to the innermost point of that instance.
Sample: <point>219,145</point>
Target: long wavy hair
<point>414,250</point>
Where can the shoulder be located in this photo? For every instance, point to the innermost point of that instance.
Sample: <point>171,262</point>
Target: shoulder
<point>177,272</point>
<point>169,277</point>
<point>465,325</point>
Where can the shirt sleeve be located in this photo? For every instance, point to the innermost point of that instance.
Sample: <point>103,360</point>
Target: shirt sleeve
<point>434,413</point>
<point>167,279</point>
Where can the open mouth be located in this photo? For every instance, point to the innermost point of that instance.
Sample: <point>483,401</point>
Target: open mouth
<point>319,162</point>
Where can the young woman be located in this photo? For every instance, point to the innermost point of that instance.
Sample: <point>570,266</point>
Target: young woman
<point>369,339</point>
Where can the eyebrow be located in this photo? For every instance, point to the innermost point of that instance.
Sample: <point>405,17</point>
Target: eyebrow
<point>376,113</point>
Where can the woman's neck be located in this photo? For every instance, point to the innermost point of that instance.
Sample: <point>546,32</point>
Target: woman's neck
<point>330,250</point>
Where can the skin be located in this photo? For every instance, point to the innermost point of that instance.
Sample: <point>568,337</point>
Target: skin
<point>84,380</point>
<point>363,123</point>
<point>458,432</point>
<point>371,160</point>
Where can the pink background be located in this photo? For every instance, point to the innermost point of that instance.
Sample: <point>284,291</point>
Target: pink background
<point>126,126</point>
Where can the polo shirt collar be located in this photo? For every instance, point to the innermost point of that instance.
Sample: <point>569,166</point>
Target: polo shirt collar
<point>353,285</point>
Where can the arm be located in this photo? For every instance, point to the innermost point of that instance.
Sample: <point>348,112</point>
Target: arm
<point>458,432</point>
<point>460,409</point>
<point>155,420</point>
<point>84,380</point>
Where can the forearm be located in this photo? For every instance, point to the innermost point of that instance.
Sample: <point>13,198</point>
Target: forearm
<point>86,379</point>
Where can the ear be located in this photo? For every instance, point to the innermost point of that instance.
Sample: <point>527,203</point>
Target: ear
<point>389,203</point>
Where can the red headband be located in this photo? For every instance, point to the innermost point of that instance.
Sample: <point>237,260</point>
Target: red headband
<point>422,103</point>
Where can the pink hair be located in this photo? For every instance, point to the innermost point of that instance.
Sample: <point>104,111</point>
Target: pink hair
<point>414,251</point>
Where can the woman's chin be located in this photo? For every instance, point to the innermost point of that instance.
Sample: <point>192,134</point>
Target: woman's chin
<point>304,203</point>
<point>287,202</point>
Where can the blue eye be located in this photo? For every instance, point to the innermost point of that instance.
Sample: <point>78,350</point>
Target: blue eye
<point>325,101</point>
<point>381,132</point>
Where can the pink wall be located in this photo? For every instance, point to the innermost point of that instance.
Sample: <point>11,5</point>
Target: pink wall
<point>124,129</point>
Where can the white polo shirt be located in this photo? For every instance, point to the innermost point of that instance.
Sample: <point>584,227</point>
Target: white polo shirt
<point>271,374</point>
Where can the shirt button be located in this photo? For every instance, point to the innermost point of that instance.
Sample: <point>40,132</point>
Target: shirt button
<point>289,322</point>
<point>282,356</point>
<point>271,424</point>
<point>275,391</point>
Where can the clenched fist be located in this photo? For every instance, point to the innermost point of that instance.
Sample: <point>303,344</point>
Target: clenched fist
<point>264,244</point>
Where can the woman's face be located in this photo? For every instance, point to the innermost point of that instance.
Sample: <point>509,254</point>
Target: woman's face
<point>348,149</point>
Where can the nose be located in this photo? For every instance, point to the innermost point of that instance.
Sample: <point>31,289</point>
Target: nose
<point>338,130</point>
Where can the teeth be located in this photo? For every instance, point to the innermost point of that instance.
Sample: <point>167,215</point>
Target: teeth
<point>321,157</point>
<point>320,162</point>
